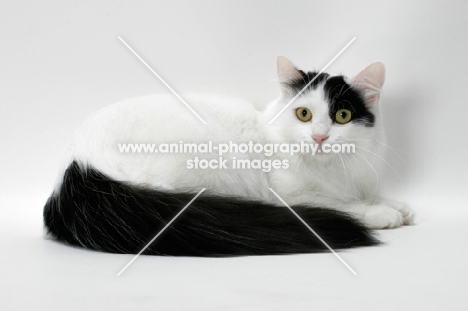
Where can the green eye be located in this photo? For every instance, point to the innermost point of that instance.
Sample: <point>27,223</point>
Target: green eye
<point>343,116</point>
<point>303,114</point>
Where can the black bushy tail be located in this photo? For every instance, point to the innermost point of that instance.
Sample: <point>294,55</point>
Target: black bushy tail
<point>96,212</point>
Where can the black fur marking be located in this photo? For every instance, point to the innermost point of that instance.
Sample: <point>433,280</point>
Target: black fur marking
<point>341,95</point>
<point>93,211</point>
<point>298,84</point>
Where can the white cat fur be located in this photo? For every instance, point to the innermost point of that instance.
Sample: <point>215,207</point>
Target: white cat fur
<point>347,182</point>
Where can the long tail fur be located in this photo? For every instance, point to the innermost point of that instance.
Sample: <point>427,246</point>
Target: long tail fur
<point>96,212</point>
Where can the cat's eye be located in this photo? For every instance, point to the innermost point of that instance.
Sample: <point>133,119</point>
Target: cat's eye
<point>343,116</point>
<point>303,114</point>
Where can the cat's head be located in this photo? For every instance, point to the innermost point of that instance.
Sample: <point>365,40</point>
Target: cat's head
<point>331,110</point>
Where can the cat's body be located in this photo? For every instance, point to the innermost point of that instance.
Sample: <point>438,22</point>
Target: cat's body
<point>114,201</point>
<point>159,119</point>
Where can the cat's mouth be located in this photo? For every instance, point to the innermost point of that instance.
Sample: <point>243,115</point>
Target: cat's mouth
<point>320,151</point>
<point>327,148</point>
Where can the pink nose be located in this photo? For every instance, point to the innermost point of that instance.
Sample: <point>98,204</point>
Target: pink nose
<point>319,138</point>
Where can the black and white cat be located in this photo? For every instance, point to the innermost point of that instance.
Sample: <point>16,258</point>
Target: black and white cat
<point>114,201</point>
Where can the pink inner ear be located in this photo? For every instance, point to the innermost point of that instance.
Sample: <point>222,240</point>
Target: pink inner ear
<point>373,75</point>
<point>286,70</point>
<point>372,99</point>
<point>371,80</point>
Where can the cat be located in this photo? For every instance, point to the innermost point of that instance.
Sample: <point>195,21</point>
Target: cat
<point>115,201</point>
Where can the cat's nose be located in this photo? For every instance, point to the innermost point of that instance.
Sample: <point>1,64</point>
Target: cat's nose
<point>319,138</point>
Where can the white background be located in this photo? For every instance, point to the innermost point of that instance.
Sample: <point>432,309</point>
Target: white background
<point>61,61</point>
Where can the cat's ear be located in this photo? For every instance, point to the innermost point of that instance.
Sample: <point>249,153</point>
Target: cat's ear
<point>287,73</point>
<point>370,81</point>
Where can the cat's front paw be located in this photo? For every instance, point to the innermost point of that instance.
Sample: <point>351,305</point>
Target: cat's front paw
<point>383,217</point>
<point>403,208</point>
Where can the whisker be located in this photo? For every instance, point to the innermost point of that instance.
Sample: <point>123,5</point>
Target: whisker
<point>357,177</point>
<point>364,149</point>
<point>347,177</point>
<point>375,172</point>
<point>383,144</point>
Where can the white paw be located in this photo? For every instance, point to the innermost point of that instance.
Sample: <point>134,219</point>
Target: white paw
<point>383,217</point>
<point>404,209</point>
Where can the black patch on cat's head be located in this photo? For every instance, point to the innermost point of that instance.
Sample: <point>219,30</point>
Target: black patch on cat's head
<point>341,95</point>
<point>298,84</point>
